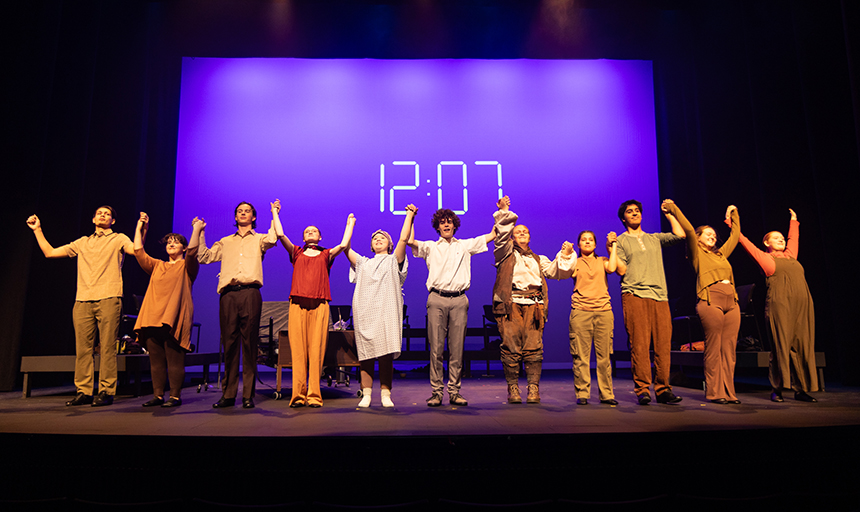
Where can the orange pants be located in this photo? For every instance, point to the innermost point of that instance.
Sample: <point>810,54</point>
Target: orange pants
<point>308,328</point>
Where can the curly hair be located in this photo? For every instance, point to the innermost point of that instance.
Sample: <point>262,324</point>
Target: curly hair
<point>445,214</point>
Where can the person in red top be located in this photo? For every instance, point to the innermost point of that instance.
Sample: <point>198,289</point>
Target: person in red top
<point>309,312</point>
<point>789,311</point>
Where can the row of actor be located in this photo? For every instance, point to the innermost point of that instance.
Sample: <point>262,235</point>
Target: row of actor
<point>520,304</point>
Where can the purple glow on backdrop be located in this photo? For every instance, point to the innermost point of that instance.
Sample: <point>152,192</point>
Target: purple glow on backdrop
<point>574,139</point>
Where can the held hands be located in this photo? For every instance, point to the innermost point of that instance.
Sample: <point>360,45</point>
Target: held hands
<point>144,218</point>
<point>33,223</point>
<point>729,211</point>
<point>412,208</point>
<point>566,248</point>
<point>276,206</point>
<point>198,223</point>
<point>665,206</point>
<point>611,238</point>
<point>793,215</point>
<point>350,221</point>
<point>504,203</point>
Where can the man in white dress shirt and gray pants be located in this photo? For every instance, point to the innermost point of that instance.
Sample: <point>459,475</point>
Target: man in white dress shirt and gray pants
<point>450,274</point>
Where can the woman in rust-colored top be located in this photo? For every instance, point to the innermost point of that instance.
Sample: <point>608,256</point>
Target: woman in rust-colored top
<point>591,318</point>
<point>165,317</point>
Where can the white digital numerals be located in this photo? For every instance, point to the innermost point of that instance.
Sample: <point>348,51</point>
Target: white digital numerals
<point>439,166</point>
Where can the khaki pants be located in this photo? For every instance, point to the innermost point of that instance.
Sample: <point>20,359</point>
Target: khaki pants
<point>87,317</point>
<point>586,326</point>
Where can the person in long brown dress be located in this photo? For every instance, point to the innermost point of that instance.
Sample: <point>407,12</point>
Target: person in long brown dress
<point>165,317</point>
<point>790,313</point>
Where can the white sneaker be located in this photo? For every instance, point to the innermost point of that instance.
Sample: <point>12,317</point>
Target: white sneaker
<point>365,397</point>
<point>386,398</point>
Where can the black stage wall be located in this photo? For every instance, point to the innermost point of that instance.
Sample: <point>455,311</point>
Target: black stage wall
<point>758,105</point>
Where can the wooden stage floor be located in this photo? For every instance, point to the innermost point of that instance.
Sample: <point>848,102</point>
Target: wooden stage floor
<point>553,455</point>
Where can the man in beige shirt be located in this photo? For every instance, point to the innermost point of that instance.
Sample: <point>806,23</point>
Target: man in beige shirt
<point>241,256</point>
<point>98,302</point>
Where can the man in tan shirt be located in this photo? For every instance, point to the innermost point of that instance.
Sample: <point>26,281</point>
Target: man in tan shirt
<point>241,256</point>
<point>98,302</point>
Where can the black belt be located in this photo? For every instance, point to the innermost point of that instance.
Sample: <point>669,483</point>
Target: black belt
<point>236,287</point>
<point>447,294</point>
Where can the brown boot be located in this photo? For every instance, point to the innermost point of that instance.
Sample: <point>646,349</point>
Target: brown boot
<point>514,394</point>
<point>512,376</point>
<point>533,370</point>
<point>534,394</point>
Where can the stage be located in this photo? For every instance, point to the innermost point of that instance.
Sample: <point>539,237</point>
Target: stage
<point>791,454</point>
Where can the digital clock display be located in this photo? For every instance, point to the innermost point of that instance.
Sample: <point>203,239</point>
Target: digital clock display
<point>567,140</point>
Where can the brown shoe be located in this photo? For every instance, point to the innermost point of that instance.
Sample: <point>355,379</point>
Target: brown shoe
<point>534,394</point>
<point>514,394</point>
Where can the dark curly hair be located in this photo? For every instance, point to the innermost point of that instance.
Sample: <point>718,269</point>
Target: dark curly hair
<point>623,208</point>
<point>444,214</point>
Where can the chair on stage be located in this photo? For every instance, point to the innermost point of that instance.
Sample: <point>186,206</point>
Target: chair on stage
<point>749,339</point>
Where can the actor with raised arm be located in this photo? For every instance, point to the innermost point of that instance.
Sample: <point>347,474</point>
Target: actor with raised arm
<point>717,305</point>
<point>520,299</point>
<point>449,277</point>
<point>240,307</point>
<point>790,312</point>
<point>645,300</point>
<point>165,317</point>
<point>310,295</point>
<point>591,318</point>
<point>98,301</point>
<point>377,306</point>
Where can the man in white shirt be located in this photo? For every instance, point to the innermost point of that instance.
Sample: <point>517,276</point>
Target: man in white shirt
<point>450,274</point>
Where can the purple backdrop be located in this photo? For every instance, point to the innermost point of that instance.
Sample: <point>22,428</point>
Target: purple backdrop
<point>567,140</point>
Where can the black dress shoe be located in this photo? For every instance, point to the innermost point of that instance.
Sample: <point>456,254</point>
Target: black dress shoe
<point>80,399</point>
<point>247,403</point>
<point>296,405</point>
<point>154,402</point>
<point>314,406</point>
<point>644,399</point>
<point>667,397</point>
<point>803,397</point>
<point>719,401</point>
<point>611,401</point>
<point>224,402</point>
<point>735,401</point>
<point>581,401</point>
<point>776,397</point>
<point>172,402</point>
<point>102,399</point>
